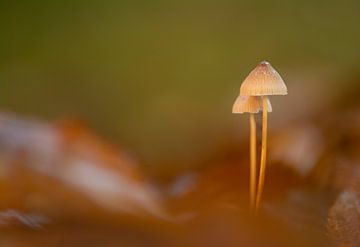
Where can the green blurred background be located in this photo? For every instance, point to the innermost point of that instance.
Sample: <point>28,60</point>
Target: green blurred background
<point>160,77</point>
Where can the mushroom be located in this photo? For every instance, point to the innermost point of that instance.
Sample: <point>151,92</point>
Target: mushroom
<point>263,81</point>
<point>251,105</point>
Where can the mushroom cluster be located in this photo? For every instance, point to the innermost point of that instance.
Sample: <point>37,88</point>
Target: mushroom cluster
<point>262,82</point>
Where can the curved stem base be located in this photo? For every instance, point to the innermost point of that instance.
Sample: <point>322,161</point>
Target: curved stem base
<point>252,185</point>
<point>263,156</point>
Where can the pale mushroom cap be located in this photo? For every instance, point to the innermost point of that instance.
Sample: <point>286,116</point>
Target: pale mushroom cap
<point>249,104</point>
<point>263,80</point>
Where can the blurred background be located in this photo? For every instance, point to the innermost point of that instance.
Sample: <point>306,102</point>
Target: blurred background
<point>156,81</point>
<point>160,77</point>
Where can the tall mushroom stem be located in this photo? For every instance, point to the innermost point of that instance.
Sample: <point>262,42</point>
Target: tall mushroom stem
<point>253,174</point>
<point>263,155</point>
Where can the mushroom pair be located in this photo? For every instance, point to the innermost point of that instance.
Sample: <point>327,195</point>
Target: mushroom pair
<point>262,82</point>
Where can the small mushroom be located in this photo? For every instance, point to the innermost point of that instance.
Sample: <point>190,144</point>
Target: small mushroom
<point>263,81</point>
<point>251,105</point>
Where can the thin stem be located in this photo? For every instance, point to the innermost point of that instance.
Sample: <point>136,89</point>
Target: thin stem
<point>263,156</point>
<point>252,162</point>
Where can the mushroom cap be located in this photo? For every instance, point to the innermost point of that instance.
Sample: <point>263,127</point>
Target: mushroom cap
<point>250,104</point>
<point>263,80</point>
